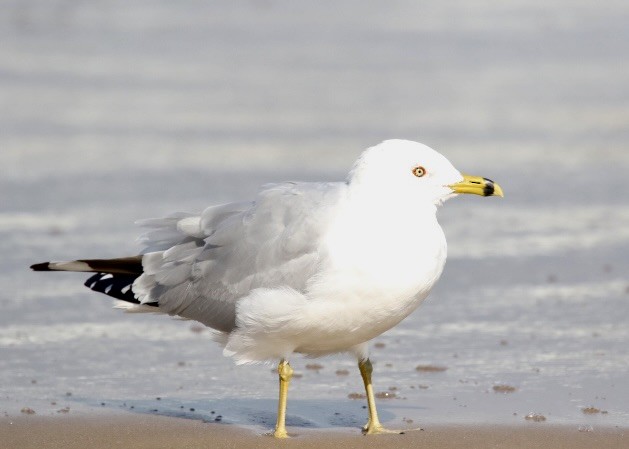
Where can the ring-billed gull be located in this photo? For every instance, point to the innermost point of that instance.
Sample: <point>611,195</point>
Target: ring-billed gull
<point>311,268</point>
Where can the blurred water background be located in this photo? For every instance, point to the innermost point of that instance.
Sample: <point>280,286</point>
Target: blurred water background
<point>113,111</point>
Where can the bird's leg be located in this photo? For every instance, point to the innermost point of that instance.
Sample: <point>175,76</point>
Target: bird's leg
<point>286,373</point>
<point>373,425</point>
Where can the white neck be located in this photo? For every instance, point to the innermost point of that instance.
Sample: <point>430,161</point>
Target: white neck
<point>395,244</point>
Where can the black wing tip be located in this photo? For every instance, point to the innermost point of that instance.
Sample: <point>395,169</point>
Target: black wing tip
<point>122,265</point>
<point>117,286</point>
<point>44,266</point>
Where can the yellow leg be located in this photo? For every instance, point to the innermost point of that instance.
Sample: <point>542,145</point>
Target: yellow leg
<point>373,425</point>
<point>286,373</point>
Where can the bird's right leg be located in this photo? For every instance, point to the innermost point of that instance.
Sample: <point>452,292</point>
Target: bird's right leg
<point>285,373</point>
<point>373,426</point>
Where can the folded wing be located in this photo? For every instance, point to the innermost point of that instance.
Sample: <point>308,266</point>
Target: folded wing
<point>198,267</point>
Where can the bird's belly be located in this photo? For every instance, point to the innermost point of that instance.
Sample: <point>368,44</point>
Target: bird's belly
<point>338,329</point>
<point>340,320</point>
<point>344,306</point>
<point>369,284</point>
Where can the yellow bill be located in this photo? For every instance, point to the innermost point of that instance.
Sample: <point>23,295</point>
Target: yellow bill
<point>477,186</point>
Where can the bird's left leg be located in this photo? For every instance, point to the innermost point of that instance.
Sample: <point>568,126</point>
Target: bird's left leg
<point>285,373</point>
<point>373,426</point>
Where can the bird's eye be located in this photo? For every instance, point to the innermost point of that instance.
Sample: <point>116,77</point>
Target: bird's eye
<point>419,171</point>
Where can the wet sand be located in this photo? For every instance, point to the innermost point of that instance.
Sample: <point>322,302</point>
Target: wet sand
<point>145,431</point>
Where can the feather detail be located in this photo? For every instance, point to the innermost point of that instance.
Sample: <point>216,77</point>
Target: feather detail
<point>122,265</point>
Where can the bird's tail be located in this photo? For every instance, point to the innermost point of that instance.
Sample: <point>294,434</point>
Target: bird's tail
<point>122,265</point>
<point>113,277</point>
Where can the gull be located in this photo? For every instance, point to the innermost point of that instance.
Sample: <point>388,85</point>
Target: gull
<point>306,267</point>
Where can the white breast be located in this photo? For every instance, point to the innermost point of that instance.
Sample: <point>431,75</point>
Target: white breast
<point>374,272</point>
<point>378,272</point>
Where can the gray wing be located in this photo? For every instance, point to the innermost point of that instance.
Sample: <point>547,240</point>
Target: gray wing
<point>199,266</point>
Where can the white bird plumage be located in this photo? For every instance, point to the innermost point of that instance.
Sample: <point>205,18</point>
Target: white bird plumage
<point>313,268</point>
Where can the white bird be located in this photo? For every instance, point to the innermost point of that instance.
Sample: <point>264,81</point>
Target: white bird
<point>311,268</point>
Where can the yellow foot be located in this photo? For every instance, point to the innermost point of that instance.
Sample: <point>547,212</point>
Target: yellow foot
<point>280,433</point>
<point>379,429</point>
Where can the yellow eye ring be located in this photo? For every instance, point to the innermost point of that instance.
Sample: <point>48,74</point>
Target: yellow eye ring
<point>419,171</point>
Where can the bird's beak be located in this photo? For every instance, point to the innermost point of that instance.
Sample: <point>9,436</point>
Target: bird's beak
<point>477,186</point>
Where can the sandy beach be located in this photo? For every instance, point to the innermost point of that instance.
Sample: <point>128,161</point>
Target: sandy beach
<point>155,432</point>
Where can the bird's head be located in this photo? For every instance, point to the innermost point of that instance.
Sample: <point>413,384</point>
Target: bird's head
<point>413,170</point>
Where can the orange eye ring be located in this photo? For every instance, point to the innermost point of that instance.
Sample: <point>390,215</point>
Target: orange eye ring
<point>419,171</point>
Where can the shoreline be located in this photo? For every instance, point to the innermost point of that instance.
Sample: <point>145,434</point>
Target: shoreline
<point>150,431</point>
